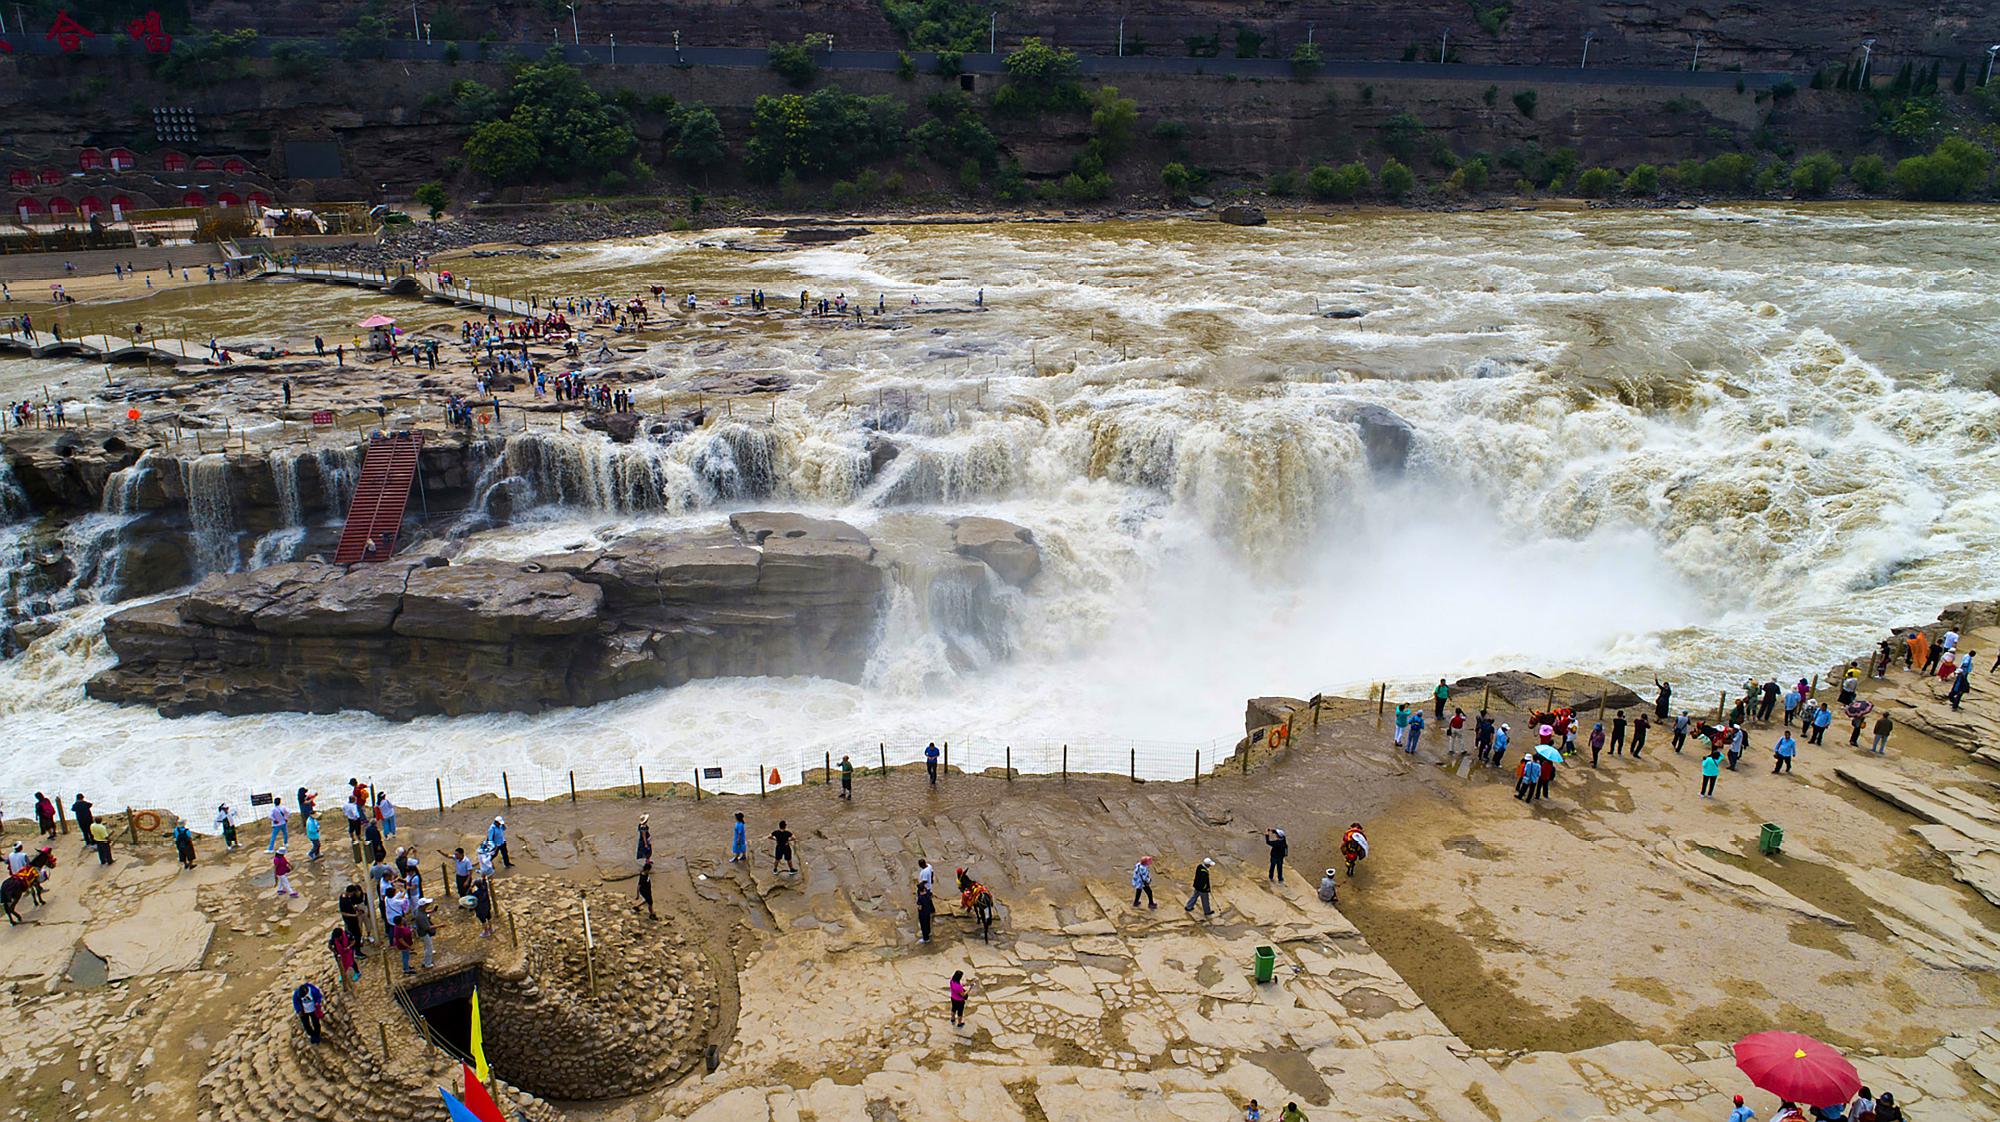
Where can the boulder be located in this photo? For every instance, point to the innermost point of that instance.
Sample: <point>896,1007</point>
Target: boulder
<point>1263,712</point>
<point>1240,214</point>
<point>821,235</point>
<point>1522,690</point>
<point>620,427</point>
<point>1009,550</point>
<point>495,602</point>
<point>1385,437</point>
<point>763,594</point>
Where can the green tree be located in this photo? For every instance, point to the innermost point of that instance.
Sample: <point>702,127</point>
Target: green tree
<point>1644,180</point>
<point>1596,183</point>
<point>699,146</point>
<point>203,61</point>
<point>1113,118</point>
<point>794,62</point>
<point>1338,184</point>
<point>824,134</point>
<point>1730,171</point>
<point>503,152</point>
<point>1815,174</point>
<point>1400,134</point>
<point>1525,102</point>
<point>1473,175</point>
<point>433,198</point>
<point>1395,179</point>
<point>1869,172</point>
<point>1954,169</point>
<point>1176,179</point>
<point>1306,60</point>
<point>1040,79</point>
<point>1914,121</point>
<point>366,37</point>
<point>938,25</point>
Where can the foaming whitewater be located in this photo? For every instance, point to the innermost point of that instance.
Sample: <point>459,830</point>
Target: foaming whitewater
<point>1696,443</point>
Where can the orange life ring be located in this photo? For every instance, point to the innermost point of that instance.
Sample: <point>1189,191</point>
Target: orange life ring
<point>145,820</point>
<point>1281,734</point>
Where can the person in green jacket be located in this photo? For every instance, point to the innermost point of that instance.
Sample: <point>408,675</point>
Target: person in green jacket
<point>1292,1113</point>
<point>1711,767</point>
<point>1441,695</point>
<point>1402,722</point>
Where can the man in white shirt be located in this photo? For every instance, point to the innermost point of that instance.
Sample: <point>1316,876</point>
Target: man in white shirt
<point>280,830</point>
<point>1950,642</point>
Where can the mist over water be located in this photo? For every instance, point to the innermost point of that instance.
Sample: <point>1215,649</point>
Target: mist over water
<point>1694,442</point>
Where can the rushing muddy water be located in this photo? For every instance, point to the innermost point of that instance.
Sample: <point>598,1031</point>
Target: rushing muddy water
<point>1697,442</point>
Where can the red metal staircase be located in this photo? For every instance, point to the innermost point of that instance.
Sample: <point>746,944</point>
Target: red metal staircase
<point>387,469</point>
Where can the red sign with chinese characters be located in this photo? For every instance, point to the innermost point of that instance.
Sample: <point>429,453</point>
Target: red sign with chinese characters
<point>148,31</point>
<point>68,34</point>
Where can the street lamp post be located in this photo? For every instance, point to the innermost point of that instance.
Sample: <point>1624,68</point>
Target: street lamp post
<point>1444,41</point>
<point>575,32</point>
<point>1121,36</point>
<point>1696,64</point>
<point>416,29</point>
<point>1310,28</point>
<point>1586,50</point>
<point>677,46</point>
<point>614,48</point>
<point>1990,52</point>
<point>1867,52</point>
<point>993,32</point>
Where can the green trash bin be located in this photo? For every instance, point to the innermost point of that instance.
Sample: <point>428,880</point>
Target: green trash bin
<point>1267,963</point>
<point>1770,839</point>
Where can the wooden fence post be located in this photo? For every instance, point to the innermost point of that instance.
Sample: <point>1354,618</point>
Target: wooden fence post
<point>572,787</point>
<point>1381,702</point>
<point>760,781</point>
<point>132,825</point>
<point>1065,762</point>
<point>883,749</point>
<point>826,772</point>
<point>642,782</point>
<point>440,787</point>
<point>697,785</point>
<point>947,757</point>
<point>506,792</point>
<point>1008,762</point>
<point>381,1027</point>
<point>1133,766</point>
<point>1197,767</point>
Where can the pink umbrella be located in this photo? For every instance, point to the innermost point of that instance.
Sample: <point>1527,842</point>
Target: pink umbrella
<point>378,321</point>
<point>1794,1066</point>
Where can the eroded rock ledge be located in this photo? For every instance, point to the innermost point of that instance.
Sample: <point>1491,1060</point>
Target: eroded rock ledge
<point>764,594</point>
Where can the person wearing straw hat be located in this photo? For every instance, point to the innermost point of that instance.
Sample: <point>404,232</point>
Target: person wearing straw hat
<point>645,838</point>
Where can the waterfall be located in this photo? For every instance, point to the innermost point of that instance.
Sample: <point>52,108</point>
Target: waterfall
<point>14,505</point>
<point>946,616</point>
<point>211,514</point>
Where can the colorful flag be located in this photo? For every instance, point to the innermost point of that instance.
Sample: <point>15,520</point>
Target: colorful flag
<point>478,1041</point>
<point>480,1102</point>
<point>455,1110</point>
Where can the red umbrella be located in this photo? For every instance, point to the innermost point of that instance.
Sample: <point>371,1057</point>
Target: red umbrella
<point>1797,1068</point>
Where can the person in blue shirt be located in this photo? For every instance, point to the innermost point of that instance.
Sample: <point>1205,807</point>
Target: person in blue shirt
<point>1500,739</point>
<point>1822,720</point>
<point>931,761</point>
<point>739,841</point>
<point>1711,768</point>
<point>496,837</point>
<point>1416,732</point>
<point>1741,1113</point>
<point>310,1005</point>
<point>1784,750</point>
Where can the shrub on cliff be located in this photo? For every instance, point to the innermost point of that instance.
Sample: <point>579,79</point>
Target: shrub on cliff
<point>1306,60</point>
<point>1470,177</point>
<point>201,61</point>
<point>1040,79</point>
<point>1815,174</point>
<point>1176,179</point>
<point>1525,102</point>
<point>1113,118</point>
<point>1953,170</point>
<point>1731,171</point>
<point>433,198</point>
<point>697,143</point>
<point>1870,173</point>
<point>549,125</point>
<point>828,132</point>
<point>1643,180</point>
<point>794,62</point>
<point>1597,183</point>
<point>1338,184</point>
<point>1395,179</point>
<point>956,133</point>
<point>938,25</point>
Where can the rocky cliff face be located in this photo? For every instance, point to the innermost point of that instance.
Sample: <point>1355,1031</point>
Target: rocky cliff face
<point>765,594</point>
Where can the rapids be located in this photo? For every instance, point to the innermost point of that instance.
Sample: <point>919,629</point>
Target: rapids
<point>1697,442</point>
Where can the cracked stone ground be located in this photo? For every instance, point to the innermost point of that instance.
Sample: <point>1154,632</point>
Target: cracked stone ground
<point>1588,957</point>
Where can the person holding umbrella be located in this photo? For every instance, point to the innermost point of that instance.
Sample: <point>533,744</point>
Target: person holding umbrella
<point>1797,1069</point>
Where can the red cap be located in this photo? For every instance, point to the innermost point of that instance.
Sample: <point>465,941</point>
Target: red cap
<point>1739,1100</point>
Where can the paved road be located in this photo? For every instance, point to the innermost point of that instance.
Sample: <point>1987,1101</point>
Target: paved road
<point>653,54</point>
